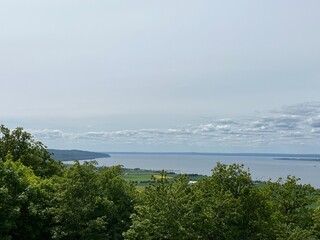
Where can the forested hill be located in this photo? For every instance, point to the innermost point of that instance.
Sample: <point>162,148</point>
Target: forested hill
<point>71,155</point>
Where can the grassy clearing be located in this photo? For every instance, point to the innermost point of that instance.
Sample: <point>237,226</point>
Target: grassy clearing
<point>142,178</point>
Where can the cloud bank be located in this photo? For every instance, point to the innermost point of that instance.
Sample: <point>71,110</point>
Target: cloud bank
<point>290,126</point>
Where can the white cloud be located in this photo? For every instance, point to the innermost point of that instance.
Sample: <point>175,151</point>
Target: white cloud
<point>275,128</point>
<point>314,122</point>
<point>50,134</point>
<point>315,130</point>
<point>223,128</point>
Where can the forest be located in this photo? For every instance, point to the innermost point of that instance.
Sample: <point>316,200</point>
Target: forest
<point>40,198</point>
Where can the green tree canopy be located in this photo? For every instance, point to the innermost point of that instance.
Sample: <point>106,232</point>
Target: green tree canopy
<point>24,202</point>
<point>92,203</point>
<point>290,204</point>
<point>22,147</point>
<point>226,205</point>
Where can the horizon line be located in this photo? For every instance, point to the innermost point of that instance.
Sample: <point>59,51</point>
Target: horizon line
<point>199,153</point>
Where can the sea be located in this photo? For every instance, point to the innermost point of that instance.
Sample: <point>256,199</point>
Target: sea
<point>262,167</point>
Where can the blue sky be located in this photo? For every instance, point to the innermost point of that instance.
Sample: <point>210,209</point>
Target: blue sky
<point>210,76</point>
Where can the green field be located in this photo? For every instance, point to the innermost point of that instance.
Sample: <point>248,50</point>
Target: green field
<point>142,178</point>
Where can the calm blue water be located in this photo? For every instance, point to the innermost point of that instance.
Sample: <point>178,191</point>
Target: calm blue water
<point>261,168</point>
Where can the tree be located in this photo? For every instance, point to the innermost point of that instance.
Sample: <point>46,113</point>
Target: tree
<point>290,208</point>
<point>226,205</point>
<point>296,233</point>
<point>290,202</point>
<point>22,147</point>
<point>92,203</point>
<point>163,212</point>
<point>24,198</point>
<point>231,206</point>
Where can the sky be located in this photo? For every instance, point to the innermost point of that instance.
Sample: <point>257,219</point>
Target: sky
<point>182,75</point>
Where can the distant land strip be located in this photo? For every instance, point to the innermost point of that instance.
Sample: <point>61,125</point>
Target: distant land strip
<point>273,155</point>
<point>297,159</point>
<point>72,155</point>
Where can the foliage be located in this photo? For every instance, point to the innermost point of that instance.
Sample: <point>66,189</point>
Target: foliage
<point>296,233</point>
<point>163,212</point>
<point>31,153</point>
<point>231,206</point>
<point>24,201</point>
<point>91,203</point>
<point>290,203</point>
<point>226,205</point>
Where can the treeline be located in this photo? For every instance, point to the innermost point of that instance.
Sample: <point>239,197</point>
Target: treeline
<point>42,199</point>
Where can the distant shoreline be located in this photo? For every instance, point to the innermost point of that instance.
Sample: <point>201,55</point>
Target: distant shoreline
<point>298,159</point>
<point>283,156</point>
<point>70,155</point>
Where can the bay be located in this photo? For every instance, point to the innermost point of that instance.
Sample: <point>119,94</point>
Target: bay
<point>261,167</point>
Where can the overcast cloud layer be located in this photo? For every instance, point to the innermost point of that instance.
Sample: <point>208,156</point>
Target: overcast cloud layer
<point>164,75</point>
<point>292,129</point>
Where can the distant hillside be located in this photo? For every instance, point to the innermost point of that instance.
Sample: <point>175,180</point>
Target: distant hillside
<point>71,155</point>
